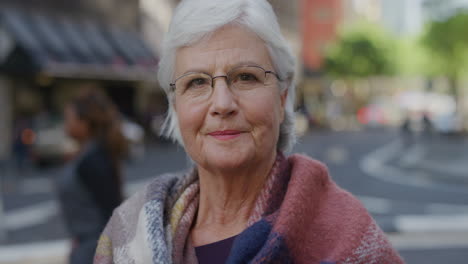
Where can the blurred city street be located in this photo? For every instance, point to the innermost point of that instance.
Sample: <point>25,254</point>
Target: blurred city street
<point>381,98</point>
<point>415,198</point>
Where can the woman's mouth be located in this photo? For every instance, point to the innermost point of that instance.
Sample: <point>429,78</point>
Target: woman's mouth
<point>225,134</point>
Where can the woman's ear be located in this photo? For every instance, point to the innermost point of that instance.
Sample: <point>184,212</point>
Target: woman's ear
<point>283,99</point>
<point>284,94</point>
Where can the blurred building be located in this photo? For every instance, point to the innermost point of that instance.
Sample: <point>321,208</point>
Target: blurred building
<point>355,10</point>
<point>436,9</point>
<point>288,13</point>
<point>51,48</point>
<point>155,19</point>
<point>319,25</point>
<point>156,16</point>
<point>403,17</point>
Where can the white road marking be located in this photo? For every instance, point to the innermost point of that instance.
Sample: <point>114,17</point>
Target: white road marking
<point>41,212</point>
<point>440,208</point>
<point>415,155</point>
<point>412,156</point>
<point>36,185</point>
<point>377,205</point>
<point>30,215</point>
<point>429,240</point>
<point>373,164</point>
<point>434,223</point>
<point>38,253</point>
<point>457,167</point>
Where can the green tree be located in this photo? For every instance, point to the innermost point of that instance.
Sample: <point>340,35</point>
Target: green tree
<point>360,52</point>
<point>447,44</point>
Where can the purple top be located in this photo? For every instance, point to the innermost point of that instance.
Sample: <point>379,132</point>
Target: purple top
<point>214,253</point>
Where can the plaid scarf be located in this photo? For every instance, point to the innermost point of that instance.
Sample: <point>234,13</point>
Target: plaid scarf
<point>300,216</point>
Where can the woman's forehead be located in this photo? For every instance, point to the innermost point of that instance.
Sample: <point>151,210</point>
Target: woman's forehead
<point>224,48</point>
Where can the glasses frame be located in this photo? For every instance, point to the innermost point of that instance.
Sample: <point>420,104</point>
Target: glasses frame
<point>173,84</point>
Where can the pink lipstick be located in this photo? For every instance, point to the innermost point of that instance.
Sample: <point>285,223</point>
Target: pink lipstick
<point>225,134</point>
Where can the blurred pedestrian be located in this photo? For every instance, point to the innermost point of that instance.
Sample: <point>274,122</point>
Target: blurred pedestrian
<point>407,131</point>
<point>228,74</point>
<point>427,126</point>
<point>92,186</point>
<point>22,140</point>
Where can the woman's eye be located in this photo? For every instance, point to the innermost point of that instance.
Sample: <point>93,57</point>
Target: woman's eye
<point>247,77</point>
<point>197,83</point>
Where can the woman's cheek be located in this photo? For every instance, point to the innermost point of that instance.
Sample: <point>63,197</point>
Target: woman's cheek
<point>190,122</point>
<point>265,111</point>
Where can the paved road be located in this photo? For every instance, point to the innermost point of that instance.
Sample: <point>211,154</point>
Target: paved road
<point>424,207</point>
<point>427,203</point>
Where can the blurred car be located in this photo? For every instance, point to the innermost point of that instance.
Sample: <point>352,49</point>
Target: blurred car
<point>372,116</point>
<point>135,135</point>
<point>449,124</point>
<point>52,146</point>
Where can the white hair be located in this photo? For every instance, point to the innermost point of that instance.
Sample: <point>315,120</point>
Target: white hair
<point>195,19</point>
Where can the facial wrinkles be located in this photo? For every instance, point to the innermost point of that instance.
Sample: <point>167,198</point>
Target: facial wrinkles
<point>217,56</point>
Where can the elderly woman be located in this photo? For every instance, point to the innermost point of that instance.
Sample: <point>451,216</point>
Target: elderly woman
<point>228,74</point>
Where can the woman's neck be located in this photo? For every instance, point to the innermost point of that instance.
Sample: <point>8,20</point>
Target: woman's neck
<point>227,200</point>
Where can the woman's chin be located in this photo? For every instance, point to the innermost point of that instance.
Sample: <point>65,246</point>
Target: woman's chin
<point>228,160</point>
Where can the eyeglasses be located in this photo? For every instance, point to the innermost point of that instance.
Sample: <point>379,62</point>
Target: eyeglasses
<point>199,85</point>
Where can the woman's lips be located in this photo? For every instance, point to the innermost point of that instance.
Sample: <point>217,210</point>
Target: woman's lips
<point>225,134</point>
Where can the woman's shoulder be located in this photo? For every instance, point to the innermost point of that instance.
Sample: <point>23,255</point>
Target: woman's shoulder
<point>313,176</point>
<point>335,213</point>
<point>307,167</point>
<point>310,178</point>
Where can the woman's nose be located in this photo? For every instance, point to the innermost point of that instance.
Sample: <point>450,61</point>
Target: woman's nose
<point>223,101</point>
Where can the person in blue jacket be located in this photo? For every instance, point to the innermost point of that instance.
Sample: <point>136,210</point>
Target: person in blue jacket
<point>91,187</point>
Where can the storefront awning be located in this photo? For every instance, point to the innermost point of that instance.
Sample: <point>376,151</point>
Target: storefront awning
<point>66,48</point>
